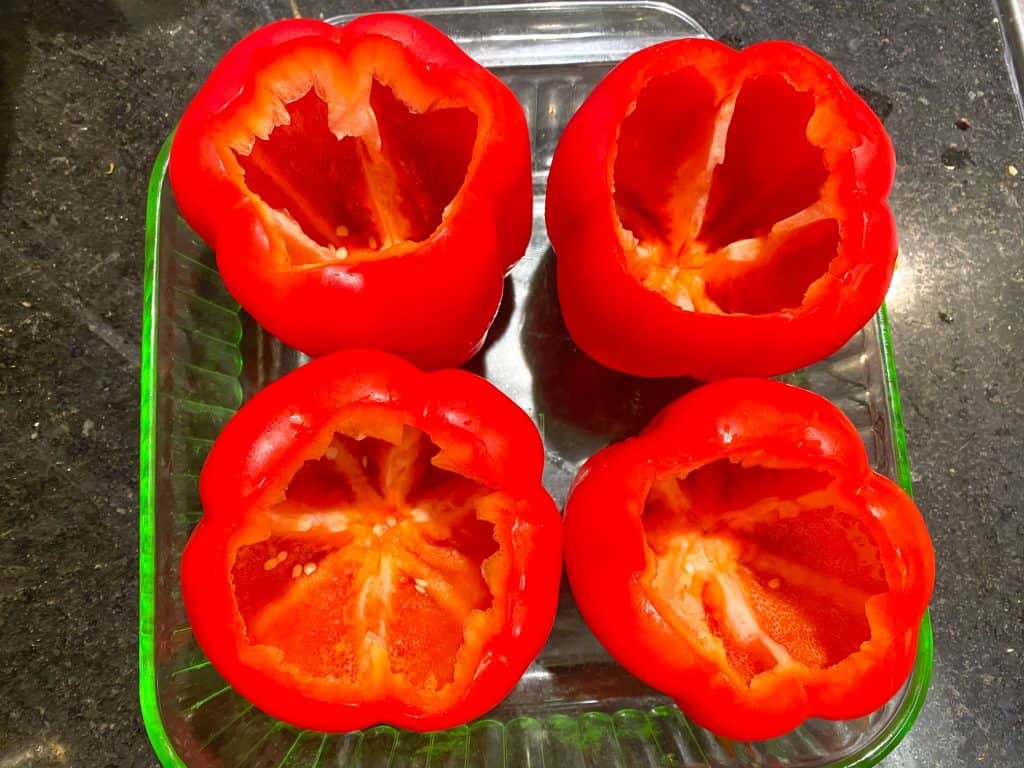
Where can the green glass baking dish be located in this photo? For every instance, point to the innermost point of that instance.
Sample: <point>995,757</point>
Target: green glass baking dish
<point>202,357</point>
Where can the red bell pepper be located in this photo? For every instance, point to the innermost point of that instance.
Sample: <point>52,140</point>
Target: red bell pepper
<point>741,556</point>
<point>720,213</point>
<point>363,186</point>
<point>375,546</point>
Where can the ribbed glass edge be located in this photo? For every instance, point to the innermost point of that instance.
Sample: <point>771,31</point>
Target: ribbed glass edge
<point>893,401</point>
<point>869,756</point>
<point>147,481</point>
<point>921,675</point>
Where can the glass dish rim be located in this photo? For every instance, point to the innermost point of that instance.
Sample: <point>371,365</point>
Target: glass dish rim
<point>540,5</point>
<point>869,755</point>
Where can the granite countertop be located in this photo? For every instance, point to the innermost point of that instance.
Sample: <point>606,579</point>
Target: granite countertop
<point>89,92</point>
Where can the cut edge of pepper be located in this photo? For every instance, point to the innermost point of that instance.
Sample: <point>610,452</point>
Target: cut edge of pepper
<point>733,632</point>
<point>263,109</point>
<point>690,274</point>
<point>380,491</point>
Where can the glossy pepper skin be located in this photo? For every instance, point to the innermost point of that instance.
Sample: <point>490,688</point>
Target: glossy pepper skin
<point>741,556</point>
<point>362,186</point>
<point>375,547</point>
<point>720,213</point>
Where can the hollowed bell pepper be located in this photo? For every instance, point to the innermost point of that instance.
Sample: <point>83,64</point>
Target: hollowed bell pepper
<point>720,213</point>
<point>375,546</point>
<point>363,186</point>
<point>741,556</point>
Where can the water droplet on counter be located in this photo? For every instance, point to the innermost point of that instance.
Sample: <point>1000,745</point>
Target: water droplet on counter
<point>878,101</point>
<point>955,158</point>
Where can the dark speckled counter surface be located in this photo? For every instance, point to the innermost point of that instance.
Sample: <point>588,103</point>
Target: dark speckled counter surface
<point>88,92</point>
